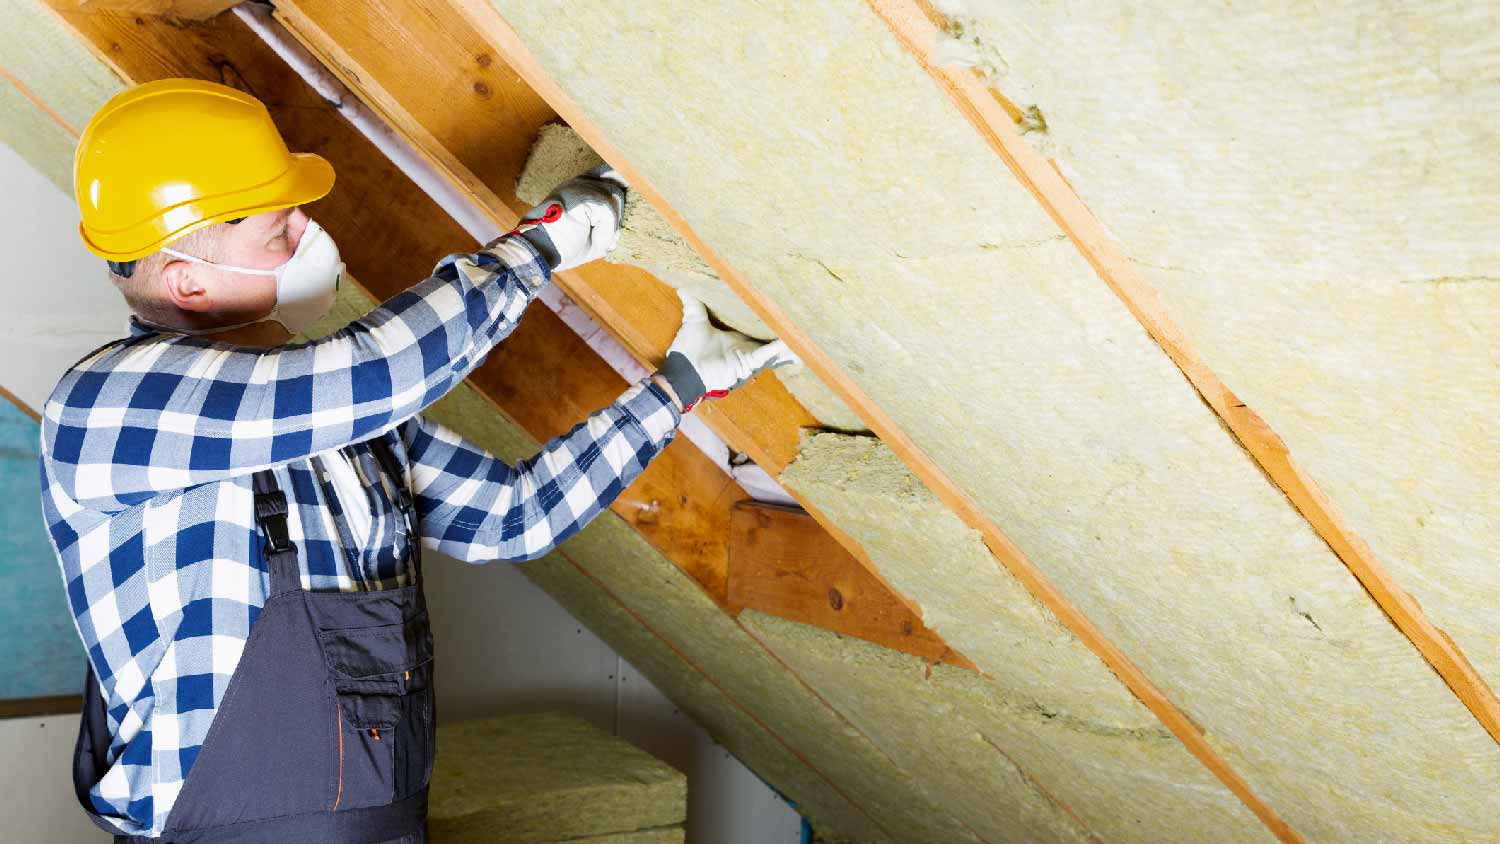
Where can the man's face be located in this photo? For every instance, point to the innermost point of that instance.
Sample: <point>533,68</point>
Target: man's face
<point>261,242</point>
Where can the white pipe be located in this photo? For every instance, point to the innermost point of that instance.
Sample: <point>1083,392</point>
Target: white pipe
<point>473,219</point>
<point>258,17</point>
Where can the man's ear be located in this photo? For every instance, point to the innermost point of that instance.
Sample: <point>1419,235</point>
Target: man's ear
<point>183,288</point>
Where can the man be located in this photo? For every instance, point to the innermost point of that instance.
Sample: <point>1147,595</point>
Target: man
<point>239,518</point>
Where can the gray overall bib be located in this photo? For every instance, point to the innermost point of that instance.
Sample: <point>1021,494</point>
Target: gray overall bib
<point>325,733</point>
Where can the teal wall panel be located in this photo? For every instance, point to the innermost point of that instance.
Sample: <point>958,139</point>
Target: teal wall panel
<point>43,656</point>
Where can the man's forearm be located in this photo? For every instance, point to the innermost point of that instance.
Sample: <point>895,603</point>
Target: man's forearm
<point>475,507</point>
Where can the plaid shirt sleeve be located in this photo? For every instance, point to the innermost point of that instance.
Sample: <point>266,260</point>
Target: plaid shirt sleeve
<point>162,412</point>
<point>478,508</point>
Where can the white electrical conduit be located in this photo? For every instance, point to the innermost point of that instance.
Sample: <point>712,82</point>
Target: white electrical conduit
<point>468,214</point>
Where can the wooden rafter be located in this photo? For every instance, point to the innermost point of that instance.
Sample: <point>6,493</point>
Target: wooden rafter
<point>498,33</point>
<point>193,10</point>
<point>782,563</point>
<point>33,707</point>
<point>544,377</point>
<point>469,115</point>
<point>473,119</point>
<point>22,406</point>
<point>916,24</point>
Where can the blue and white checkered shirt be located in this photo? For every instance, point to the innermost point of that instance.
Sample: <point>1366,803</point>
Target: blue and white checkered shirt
<point>149,444</point>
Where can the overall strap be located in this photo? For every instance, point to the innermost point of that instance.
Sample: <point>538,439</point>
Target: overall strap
<point>281,552</point>
<point>380,446</point>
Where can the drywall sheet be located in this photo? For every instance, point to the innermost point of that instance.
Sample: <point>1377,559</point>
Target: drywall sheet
<point>41,55</point>
<point>649,242</point>
<point>805,146</point>
<point>1050,704</point>
<point>1314,193</point>
<point>547,777</point>
<point>36,624</point>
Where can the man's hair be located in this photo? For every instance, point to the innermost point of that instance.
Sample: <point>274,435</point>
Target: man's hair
<point>142,289</point>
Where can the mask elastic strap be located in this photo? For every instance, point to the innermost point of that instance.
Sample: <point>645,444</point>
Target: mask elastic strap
<point>197,332</point>
<point>230,267</point>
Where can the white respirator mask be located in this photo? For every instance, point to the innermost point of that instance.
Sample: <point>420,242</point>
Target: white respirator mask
<point>306,285</point>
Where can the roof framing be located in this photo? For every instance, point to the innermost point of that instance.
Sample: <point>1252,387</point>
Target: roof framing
<point>474,121</point>
<point>916,25</point>
<point>498,32</point>
<point>537,378</point>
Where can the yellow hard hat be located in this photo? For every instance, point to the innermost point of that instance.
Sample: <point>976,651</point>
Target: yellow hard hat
<point>167,158</point>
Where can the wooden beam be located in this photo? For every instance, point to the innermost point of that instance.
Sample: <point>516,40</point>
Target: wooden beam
<point>916,24</point>
<point>782,563</point>
<point>468,113</point>
<point>31,707</point>
<point>22,406</point>
<point>193,10</point>
<point>545,378</point>
<point>487,19</point>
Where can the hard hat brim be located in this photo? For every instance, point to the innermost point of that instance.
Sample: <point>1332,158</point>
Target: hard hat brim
<point>308,179</point>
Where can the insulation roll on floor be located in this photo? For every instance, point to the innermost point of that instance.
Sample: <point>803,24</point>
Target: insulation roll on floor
<point>536,779</point>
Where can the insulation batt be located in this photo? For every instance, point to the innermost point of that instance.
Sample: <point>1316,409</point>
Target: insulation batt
<point>532,779</point>
<point>1328,245</point>
<point>648,241</point>
<point>1054,709</point>
<point>890,233</point>
<point>57,71</point>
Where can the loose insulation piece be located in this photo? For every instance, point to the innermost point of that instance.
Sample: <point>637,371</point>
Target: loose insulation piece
<point>533,779</point>
<point>649,242</point>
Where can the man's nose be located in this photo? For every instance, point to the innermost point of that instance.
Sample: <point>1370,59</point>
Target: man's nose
<point>296,224</point>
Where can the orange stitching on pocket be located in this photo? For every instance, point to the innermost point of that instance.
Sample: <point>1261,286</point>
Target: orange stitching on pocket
<point>339,715</point>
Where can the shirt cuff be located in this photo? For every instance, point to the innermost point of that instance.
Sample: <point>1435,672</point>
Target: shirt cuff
<point>650,405</point>
<point>517,253</point>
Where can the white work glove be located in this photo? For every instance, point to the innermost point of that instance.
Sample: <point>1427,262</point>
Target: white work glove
<point>579,221</point>
<point>708,362</point>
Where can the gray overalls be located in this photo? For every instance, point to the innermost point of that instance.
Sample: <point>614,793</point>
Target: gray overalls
<point>325,733</point>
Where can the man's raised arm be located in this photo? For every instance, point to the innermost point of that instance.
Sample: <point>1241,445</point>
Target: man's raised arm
<point>164,411</point>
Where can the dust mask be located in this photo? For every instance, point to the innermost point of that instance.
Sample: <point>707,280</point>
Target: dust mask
<point>306,285</point>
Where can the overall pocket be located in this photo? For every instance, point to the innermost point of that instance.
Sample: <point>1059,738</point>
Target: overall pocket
<point>383,679</point>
